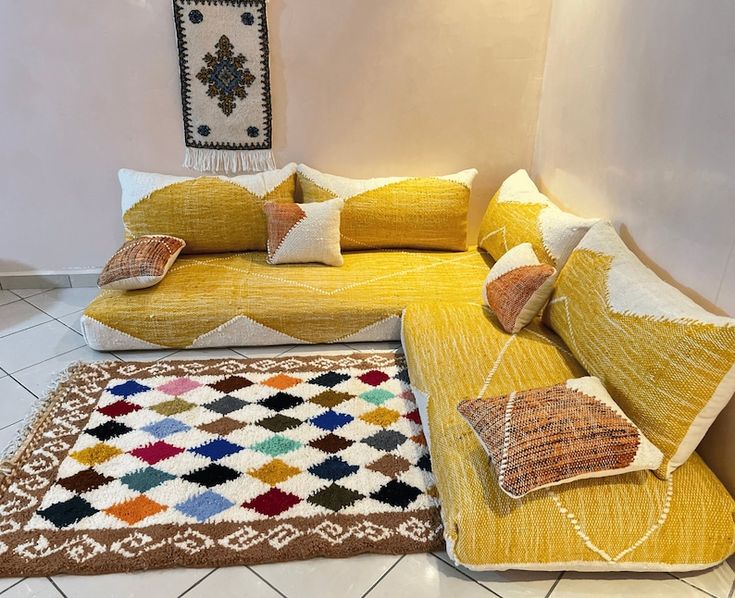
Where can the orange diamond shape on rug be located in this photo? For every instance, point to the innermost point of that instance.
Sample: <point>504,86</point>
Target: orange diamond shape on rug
<point>281,381</point>
<point>222,426</point>
<point>380,417</point>
<point>136,509</point>
<point>274,472</point>
<point>94,455</point>
<point>330,398</point>
<point>390,465</point>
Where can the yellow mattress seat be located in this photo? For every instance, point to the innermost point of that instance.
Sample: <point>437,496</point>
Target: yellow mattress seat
<point>634,521</point>
<point>238,299</point>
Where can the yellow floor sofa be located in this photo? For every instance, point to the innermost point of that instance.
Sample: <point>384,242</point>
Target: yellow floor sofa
<point>432,300</point>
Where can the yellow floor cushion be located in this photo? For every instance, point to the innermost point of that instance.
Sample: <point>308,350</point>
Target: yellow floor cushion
<point>239,299</point>
<point>634,521</point>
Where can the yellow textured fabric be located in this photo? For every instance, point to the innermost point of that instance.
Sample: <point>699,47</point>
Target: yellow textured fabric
<point>308,302</point>
<point>661,364</point>
<point>210,213</point>
<point>518,213</point>
<point>509,224</point>
<point>634,521</point>
<point>423,213</point>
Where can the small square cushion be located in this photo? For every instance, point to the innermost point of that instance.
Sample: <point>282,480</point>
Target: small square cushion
<point>140,263</point>
<point>669,363</point>
<point>517,287</point>
<point>391,212</point>
<point>548,436</point>
<point>518,213</point>
<point>301,233</point>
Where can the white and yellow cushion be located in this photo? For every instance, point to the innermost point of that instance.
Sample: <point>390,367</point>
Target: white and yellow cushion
<point>211,213</point>
<point>304,233</point>
<point>518,213</point>
<point>666,361</point>
<point>634,521</point>
<point>517,287</point>
<point>416,212</point>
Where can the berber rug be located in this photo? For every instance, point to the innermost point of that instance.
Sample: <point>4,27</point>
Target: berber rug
<point>128,466</point>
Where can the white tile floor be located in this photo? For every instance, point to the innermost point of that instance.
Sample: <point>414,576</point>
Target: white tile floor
<point>40,336</point>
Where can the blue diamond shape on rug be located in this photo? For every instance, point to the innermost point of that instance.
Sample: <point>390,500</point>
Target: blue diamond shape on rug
<point>166,427</point>
<point>331,420</point>
<point>276,445</point>
<point>329,379</point>
<point>143,480</point>
<point>377,396</point>
<point>402,375</point>
<point>204,506</point>
<point>127,389</point>
<point>63,514</point>
<point>334,468</point>
<point>217,449</point>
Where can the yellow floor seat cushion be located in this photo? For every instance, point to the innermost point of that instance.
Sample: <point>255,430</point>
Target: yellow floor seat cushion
<point>239,299</point>
<point>634,521</point>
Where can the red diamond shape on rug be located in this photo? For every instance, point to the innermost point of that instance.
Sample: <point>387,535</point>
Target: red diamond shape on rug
<point>374,377</point>
<point>178,386</point>
<point>158,451</point>
<point>119,408</point>
<point>272,503</point>
<point>414,416</point>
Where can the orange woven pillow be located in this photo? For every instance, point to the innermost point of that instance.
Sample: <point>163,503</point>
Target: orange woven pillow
<point>140,263</point>
<point>517,287</point>
<point>548,436</point>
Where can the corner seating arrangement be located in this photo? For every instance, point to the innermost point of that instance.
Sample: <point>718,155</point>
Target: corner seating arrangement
<point>455,349</point>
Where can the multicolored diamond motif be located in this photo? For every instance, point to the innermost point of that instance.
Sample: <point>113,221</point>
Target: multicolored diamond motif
<point>195,449</point>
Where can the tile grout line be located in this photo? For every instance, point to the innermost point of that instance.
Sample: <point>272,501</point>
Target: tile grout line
<point>266,582</point>
<point>458,570</point>
<point>21,580</point>
<point>9,334</point>
<point>382,577</point>
<point>53,583</point>
<point>190,588</point>
<point>691,585</point>
<point>556,583</point>
<point>8,426</point>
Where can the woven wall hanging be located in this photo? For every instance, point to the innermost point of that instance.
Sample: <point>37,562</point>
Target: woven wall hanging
<point>225,84</point>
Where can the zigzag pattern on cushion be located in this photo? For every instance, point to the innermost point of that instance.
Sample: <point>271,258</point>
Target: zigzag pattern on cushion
<point>423,212</point>
<point>666,361</point>
<point>217,300</point>
<point>211,213</point>
<point>518,213</point>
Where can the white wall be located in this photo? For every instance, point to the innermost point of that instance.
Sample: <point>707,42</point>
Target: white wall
<point>360,88</point>
<point>637,124</point>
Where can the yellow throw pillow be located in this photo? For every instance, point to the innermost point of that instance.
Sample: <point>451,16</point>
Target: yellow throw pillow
<point>518,213</point>
<point>666,361</point>
<point>140,263</point>
<point>417,212</point>
<point>213,214</point>
<point>549,436</point>
<point>517,287</point>
<point>304,233</point>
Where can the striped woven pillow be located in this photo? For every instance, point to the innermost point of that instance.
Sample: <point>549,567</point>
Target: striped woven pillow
<point>140,263</point>
<point>548,436</point>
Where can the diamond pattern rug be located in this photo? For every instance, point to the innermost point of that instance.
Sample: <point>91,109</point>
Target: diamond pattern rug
<point>131,466</point>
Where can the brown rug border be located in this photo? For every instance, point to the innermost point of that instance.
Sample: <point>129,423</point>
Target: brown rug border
<point>23,483</point>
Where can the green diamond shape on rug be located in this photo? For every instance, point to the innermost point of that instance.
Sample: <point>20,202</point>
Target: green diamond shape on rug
<point>143,480</point>
<point>335,497</point>
<point>172,407</point>
<point>377,396</point>
<point>276,445</point>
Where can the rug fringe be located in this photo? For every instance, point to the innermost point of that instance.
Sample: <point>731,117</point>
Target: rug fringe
<point>229,161</point>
